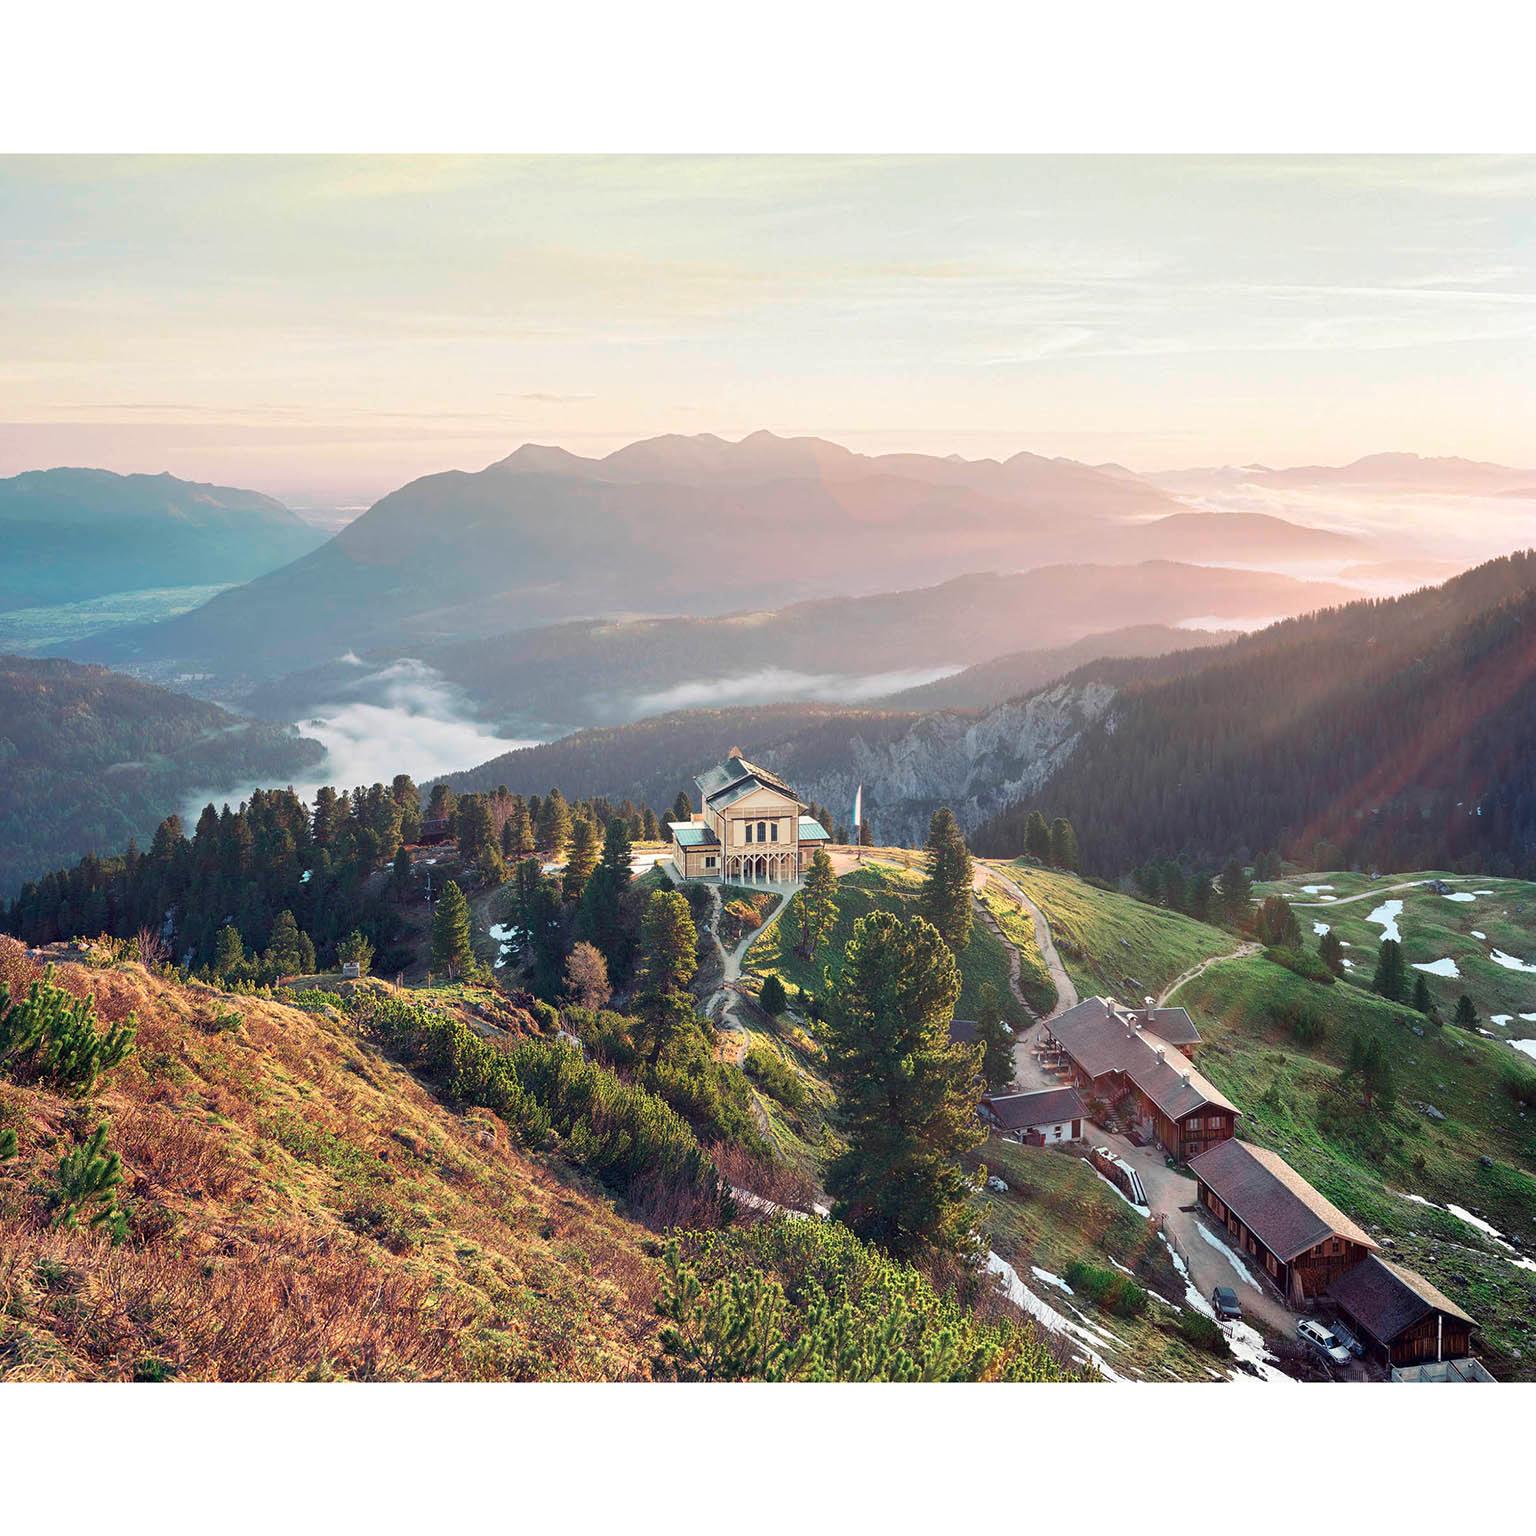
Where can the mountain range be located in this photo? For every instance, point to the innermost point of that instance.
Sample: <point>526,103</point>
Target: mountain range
<point>680,525</point>
<point>72,534</point>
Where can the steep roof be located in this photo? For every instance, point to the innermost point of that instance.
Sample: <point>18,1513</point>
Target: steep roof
<point>1272,1200</point>
<point>734,771</point>
<point>1101,1038</point>
<point>1385,1299</point>
<point>1022,1111</point>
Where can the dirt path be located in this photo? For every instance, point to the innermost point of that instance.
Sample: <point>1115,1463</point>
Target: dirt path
<point>720,1005</point>
<point>1381,890</point>
<point>1066,992</point>
<point>1196,970</point>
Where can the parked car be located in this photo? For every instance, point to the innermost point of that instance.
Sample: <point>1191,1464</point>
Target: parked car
<point>1326,1343</point>
<point>1349,1341</point>
<point>1225,1304</point>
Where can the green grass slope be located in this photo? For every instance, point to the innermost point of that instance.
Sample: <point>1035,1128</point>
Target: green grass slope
<point>1112,944</point>
<point>1479,1156</point>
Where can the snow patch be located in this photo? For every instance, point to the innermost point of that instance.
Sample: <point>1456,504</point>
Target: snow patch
<point>305,877</point>
<point>1319,928</point>
<point>1477,935</point>
<point>1140,1210</point>
<point>1462,896</point>
<point>1510,962</point>
<point>1046,1315</point>
<point>1312,890</point>
<point>1527,1047</point>
<point>1050,1279</point>
<point>1445,967</point>
<point>1386,914</point>
<point>1499,1018</point>
<point>1228,1254</point>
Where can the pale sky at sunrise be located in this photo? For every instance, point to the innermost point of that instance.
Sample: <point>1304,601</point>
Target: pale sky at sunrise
<point>325,328</point>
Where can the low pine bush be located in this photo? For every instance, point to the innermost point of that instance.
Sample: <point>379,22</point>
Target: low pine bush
<point>51,1038</point>
<point>1113,1291</point>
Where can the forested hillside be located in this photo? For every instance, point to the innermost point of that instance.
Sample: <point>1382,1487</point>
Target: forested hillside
<point>1402,732</point>
<point>89,759</point>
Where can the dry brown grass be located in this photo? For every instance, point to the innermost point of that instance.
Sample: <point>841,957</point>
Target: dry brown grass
<point>300,1208</point>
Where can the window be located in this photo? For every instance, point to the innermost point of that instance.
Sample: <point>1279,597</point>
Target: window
<point>709,861</point>
<point>773,833</point>
<point>749,832</point>
<point>762,832</point>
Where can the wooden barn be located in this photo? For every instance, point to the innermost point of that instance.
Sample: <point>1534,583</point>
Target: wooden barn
<point>1301,1239</point>
<point>1399,1316</point>
<point>1113,1055</point>
<point>1042,1119</point>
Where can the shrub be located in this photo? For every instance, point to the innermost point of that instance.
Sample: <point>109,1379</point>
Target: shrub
<point>1303,963</point>
<point>765,1066</point>
<point>88,1177</point>
<point>1202,1332</point>
<point>1305,1023</point>
<point>1113,1291</point>
<point>50,1037</point>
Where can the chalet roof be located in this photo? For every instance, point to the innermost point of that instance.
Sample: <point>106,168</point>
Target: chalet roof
<point>1101,1038</point>
<point>812,831</point>
<point>1173,1025</point>
<point>1385,1299</point>
<point>734,771</point>
<point>692,834</point>
<point>1272,1200</point>
<point>1023,1111</point>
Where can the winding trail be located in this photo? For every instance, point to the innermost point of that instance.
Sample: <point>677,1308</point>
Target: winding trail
<point>1066,991</point>
<point>1377,891</point>
<point>1242,950</point>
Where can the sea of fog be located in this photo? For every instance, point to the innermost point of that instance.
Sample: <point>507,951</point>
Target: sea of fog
<point>411,721</point>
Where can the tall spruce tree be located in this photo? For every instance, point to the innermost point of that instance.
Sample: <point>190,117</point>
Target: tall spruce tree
<point>669,957</point>
<point>1466,1012</point>
<point>1037,838</point>
<point>1422,1002</point>
<point>906,1096</point>
<point>1236,894</point>
<point>1064,854</point>
<point>601,917</point>
<point>452,953</point>
<point>946,895</point>
<point>580,858</point>
<point>1330,951</point>
<point>554,828</point>
<point>682,808</point>
<point>996,1039</point>
<point>1391,978</point>
<point>818,904</point>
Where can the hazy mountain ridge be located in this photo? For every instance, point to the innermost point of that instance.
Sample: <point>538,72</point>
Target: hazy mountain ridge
<point>695,526</point>
<point>73,534</point>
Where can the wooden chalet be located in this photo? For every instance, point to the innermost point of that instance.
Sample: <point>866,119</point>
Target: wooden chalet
<point>1301,1239</point>
<point>1399,1316</point>
<point>1042,1119</point>
<point>1114,1054</point>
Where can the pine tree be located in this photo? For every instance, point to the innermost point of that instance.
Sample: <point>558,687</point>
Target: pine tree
<point>1330,951</point>
<point>442,804</point>
<point>228,955</point>
<point>818,904</point>
<point>89,1175</point>
<point>1422,1003</point>
<point>580,859</point>
<point>554,828</point>
<point>1064,854</point>
<point>1466,1012</point>
<point>996,1039</point>
<point>479,845</point>
<point>650,828</point>
<point>601,918</point>
<point>452,953</point>
<point>400,874</point>
<point>1037,838</point>
<point>1201,898</point>
<point>772,997</point>
<point>517,831</point>
<point>51,1037</point>
<point>1276,924</point>
<point>285,954</point>
<point>946,896</point>
<point>1236,894</point>
<point>356,950</point>
<point>669,946</point>
<point>866,834</point>
<point>1391,979</point>
<point>906,1096</point>
<point>682,807</point>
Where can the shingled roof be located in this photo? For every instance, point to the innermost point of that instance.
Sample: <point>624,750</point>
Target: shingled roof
<point>1023,1111</point>
<point>1272,1200</point>
<point>736,773</point>
<point>1102,1038</point>
<point>1385,1299</point>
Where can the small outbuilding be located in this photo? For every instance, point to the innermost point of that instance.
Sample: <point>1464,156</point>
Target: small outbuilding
<point>1399,1316</point>
<point>1042,1119</point>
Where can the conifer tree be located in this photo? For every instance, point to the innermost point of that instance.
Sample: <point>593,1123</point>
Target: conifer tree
<point>682,807</point>
<point>996,1039</point>
<point>1391,979</point>
<point>1422,1002</point>
<point>866,834</point>
<point>356,950</point>
<point>452,953</point>
<point>1236,894</point>
<point>1276,924</point>
<point>772,997</point>
<point>1200,898</point>
<point>906,1096</point>
<point>228,955</point>
<point>1466,1012</point>
<point>586,976</point>
<point>442,804</point>
<point>89,1176</point>
<point>1037,838</point>
<point>946,895</point>
<point>1330,951</point>
<point>285,954</point>
<point>818,904</point>
<point>517,831</point>
<point>400,874</point>
<point>580,858</point>
<point>669,946</point>
<point>1064,854</point>
<point>601,918</point>
<point>650,828</point>
<point>479,845</point>
<point>554,828</point>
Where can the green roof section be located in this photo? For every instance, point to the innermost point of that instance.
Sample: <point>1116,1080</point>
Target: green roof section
<point>691,834</point>
<point>812,831</point>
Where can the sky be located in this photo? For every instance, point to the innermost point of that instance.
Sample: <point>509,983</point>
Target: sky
<point>325,328</point>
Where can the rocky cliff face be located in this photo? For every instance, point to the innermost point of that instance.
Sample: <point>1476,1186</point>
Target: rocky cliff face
<point>975,765</point>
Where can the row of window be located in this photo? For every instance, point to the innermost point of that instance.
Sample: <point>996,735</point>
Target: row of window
<point>767,831</point>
